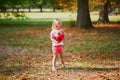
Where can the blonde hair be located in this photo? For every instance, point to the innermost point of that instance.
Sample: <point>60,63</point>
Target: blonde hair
<point>55,22</point>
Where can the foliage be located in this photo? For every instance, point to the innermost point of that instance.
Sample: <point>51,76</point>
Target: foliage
<point>11,16</point>
<point>95,3</point>
<point>61,4</point>
<point>68,4</point>
<point>58,4</point>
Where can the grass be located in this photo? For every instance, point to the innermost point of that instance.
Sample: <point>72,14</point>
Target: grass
<point>105,40</point>
<point>96,40</point>
<point>28,51</point>
<point>112,18</point>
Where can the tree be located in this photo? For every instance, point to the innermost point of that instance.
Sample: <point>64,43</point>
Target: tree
<point>41,3</point>
<point>31,4</point>
<point>4,4</point>
<point>67,5</point>
<point>17,4</point>
<point>93,4</point>
<point>103,11</point>
<point>83,16</point>
<point>53,4</point>
<point>63,5</point>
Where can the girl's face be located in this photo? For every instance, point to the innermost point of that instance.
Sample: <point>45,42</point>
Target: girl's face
<point>58,25</point>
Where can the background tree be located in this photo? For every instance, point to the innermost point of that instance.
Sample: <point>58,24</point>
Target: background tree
<point>103,11</point>
<point>17,4</point>
<point>40,4</point>
<point>83,16</point>
<point>4,4</point>
<point>32,4</point>
<point>104,6</point>
<point>114,5</point>
<point>93,4</point>
<point>35,4</point>
<point>67,5</point>
<point>53,4</point>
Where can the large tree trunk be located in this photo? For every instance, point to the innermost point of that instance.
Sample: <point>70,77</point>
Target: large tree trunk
<point>3,9</point>
<point>12,7</point>
<point>29,9</point>
<point>83,16</point>
<point>17,9</point>
<point>53,9</point>
<point>41,9</point>
<point>103,12</point>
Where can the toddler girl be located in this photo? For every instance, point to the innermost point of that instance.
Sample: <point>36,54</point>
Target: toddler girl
<point>57,37</point>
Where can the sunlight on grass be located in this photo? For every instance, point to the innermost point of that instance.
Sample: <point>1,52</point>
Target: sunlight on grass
<point>61,15</point>
<point>114,18</point>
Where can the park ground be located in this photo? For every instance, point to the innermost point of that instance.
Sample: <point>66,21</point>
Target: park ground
<point>25,51</point>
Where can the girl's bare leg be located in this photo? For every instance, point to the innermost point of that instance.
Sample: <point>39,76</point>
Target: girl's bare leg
<point>54,62</point>
<point>62,60</point>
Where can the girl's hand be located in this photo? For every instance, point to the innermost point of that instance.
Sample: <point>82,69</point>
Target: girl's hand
<point>53,38</point>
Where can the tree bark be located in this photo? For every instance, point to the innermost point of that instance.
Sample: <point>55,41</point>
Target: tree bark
<point>29,9</point>
<point>103,13</point>
<point>83,16</point>
<point>41,8</point>
<point>53,8</point>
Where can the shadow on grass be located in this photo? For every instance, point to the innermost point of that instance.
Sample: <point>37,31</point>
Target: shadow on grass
<point>91,69</point>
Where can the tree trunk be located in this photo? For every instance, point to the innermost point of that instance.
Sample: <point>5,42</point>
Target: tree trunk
<point>103,13</point>
<point>29,9</point>
<point>53,9</point>
<point>12,9</point>
<point>41,8</point>
<point>17,9</point>
<point>3,9</point>
<point>83,16</point>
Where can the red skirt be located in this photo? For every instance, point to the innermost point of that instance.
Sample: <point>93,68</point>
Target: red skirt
<point>57,49</point>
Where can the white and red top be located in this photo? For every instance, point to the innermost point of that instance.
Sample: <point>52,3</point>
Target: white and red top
<point>56,38</point>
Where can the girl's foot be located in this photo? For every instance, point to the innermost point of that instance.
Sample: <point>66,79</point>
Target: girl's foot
<point>54,69</point>
<point>63,66</point>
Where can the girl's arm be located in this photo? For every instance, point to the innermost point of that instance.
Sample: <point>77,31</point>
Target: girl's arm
<point>53,38</point>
